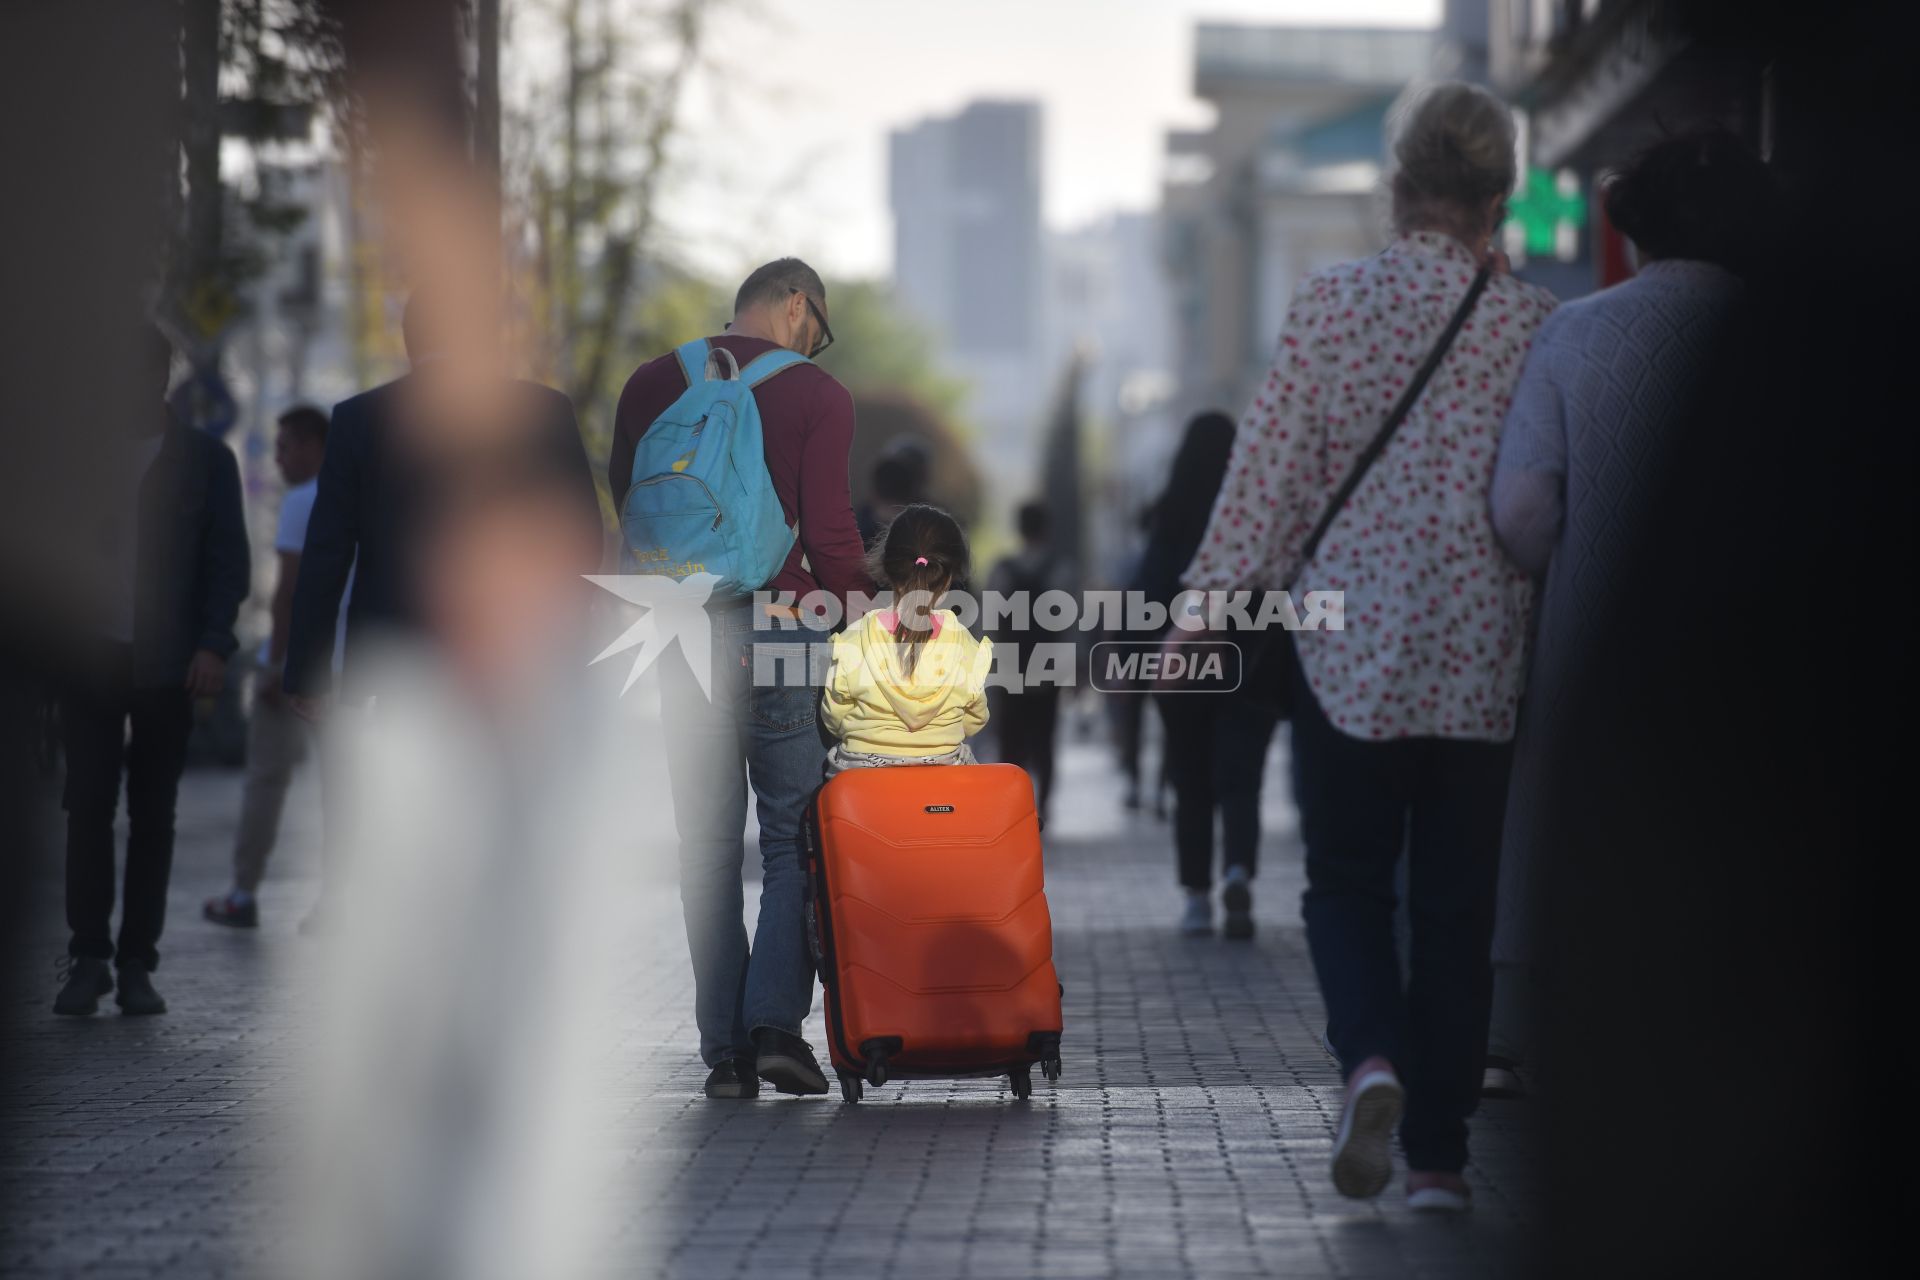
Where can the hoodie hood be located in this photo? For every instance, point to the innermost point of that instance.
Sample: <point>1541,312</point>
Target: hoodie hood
<point>952,665</point>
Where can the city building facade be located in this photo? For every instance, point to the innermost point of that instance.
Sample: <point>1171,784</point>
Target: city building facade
<point>1287,180</point>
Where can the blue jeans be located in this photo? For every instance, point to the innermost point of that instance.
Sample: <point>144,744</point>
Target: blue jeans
<point>1361,804</point>
<point>769,737</point>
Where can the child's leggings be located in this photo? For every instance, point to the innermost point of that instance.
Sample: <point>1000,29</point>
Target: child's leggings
<point>839,759</point>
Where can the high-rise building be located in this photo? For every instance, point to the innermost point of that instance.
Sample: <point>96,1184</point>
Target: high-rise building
<point>969,264</point>
<point>966,206</point>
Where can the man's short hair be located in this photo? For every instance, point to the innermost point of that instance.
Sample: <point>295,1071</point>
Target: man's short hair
<point>1032,520</point>
<point>306,422</point>
<point>775,281</point>
<point>1702,195</point>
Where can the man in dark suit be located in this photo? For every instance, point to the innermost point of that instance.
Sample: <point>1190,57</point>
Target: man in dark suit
<point>387,476</point>
<point>402,461</point>
<point>175,566</point>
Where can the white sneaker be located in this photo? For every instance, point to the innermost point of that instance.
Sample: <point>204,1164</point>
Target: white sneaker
<point>1500,1080</point>
<point>1439,1200</point>
<point>1363,1151</point>
<point>1197,920</point>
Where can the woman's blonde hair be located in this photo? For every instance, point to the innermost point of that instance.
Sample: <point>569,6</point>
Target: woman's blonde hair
<point>1453,151</point>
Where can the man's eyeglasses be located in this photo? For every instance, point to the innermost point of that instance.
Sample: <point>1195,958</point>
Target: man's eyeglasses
<point>819,318</point>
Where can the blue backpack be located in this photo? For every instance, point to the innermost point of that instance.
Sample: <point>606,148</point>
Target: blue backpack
<point>701,500</point>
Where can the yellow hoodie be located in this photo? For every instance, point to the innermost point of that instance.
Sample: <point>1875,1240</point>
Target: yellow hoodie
<point>872,705</point>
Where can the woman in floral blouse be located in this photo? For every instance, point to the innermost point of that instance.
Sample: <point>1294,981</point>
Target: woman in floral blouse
<point>1404,716</point>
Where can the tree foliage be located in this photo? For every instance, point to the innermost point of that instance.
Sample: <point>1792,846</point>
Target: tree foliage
<point>590,148</point>
<point>253,70</point>
<point>877,348</point>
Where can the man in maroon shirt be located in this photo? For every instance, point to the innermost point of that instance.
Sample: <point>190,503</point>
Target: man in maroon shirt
<point>749,1004</point>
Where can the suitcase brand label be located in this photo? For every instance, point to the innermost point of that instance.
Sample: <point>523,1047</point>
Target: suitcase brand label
<point>939,808</point>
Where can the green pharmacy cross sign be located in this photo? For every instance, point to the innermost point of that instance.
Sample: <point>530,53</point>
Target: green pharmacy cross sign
<point>1550,210</point>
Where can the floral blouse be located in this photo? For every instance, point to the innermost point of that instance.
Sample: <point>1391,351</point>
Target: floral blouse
<point>1433,617</point>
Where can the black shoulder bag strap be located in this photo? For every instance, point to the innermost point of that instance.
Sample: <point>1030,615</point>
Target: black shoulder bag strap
<point>1401,409</point>
<point>1269,682</point>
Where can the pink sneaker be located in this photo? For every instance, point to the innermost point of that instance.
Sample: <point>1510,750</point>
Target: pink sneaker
<point>1363,1150</point>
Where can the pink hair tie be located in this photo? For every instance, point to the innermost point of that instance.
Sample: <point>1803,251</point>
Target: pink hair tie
<point>920,560</point>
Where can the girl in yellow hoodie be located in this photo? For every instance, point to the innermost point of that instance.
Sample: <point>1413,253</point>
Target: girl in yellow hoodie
<point>909,683</point>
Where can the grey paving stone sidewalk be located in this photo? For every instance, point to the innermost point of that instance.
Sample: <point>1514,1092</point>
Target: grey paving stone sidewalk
<point>1188,1137</point>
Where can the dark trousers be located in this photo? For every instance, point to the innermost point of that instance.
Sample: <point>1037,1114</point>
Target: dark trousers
<point>1216,755</point>
<point>1127,710</point>
<point>1027,721</point>
<point>111,726</point>
<point>1360,803</point>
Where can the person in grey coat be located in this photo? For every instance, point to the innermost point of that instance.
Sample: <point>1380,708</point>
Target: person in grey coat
<point>1607,385</point>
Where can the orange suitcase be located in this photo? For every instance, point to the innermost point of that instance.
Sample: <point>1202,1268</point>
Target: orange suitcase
<point>927,912</point>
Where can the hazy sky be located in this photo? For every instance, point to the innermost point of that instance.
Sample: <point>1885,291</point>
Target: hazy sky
<point>791,148</point>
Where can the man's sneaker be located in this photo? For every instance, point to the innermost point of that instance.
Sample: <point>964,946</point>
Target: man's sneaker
<point>233,911</point>
<point>1363,1151</point>
<point>136,994</point>
<point>1237,898</point>
<point>86,980</point>
<point>1197,920</point>
<point>1438,1193</point>
<point>786,1062</point>
<point>1501,1079</point>
<point>733,1078</point>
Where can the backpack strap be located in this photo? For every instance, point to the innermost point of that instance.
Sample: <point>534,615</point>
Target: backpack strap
<point>763,367</point>
<point>693,360</point>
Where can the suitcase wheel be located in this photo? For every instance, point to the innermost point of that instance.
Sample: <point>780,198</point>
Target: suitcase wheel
<point>850,1089</point>
<point>877,1051</point>
<point>1045,1047</point>
<point>1022,1079</point>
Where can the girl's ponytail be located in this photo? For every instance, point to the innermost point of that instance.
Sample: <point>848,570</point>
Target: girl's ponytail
<point>920,557</point>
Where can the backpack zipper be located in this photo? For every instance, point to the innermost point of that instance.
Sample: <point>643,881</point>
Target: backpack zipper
<point>718,514</point>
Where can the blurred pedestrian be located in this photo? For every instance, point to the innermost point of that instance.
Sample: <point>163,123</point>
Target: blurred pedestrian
<point>278,740</point>
<point>175,560</point>
<point>900,477</point>
<point>1402,719</point>
<point>461,1036</point>
<point>1127,706</point>
<point>1216,743</point>
<point>1591,428</point>
<point>738,732</point>
<point>395,457</point>
<point>1028,717</point>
